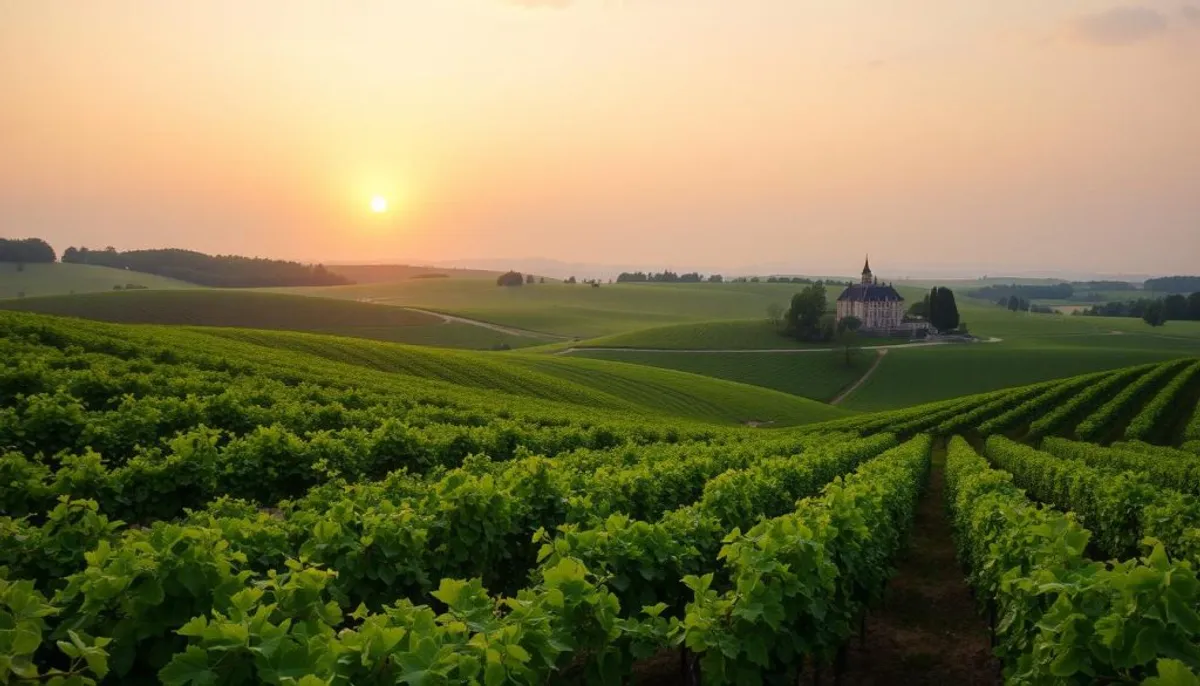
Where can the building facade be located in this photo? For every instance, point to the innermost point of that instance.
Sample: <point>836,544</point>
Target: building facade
<point>878,306</point>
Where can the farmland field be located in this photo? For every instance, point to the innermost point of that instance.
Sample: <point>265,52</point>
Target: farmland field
<point>575,310</point>
<point>737,334</point>
<point>242,308</point>
<point>63,279</point>
<point>203,505</point>
<point>821,375</point>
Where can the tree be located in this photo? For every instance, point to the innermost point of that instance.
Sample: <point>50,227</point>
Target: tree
<point>570,279</point>
<point>803,318</point>
<point>1175,307</point>
<point>1014,303</point>
<point>943,310</point>
<point>26,251</point>
<point>511,279</point>
<point>529,278</point>
<point>847,334</point>
<point>1194,306</point>
<point>775,314</point>
<point>716,278</point>
<point>1155,314</point>
<point>920,309</point>
<point>541,279</point>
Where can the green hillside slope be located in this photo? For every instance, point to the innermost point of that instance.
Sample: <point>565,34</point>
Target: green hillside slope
<point>586,386</point>
<point>36,280</point>
<point>576,309</point>
<point>263,310</point>
<point>587,383</point>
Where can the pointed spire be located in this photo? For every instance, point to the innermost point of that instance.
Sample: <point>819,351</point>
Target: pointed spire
<point>866,273</point>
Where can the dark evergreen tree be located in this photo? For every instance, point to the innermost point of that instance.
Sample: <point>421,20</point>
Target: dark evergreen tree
<point>943,310</point>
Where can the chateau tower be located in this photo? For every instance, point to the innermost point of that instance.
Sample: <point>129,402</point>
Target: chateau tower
<point>866,273</point>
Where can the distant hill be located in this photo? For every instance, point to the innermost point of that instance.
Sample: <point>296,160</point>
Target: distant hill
<point>260,310</point>
<point>35,280</point>
<point>390,273</point>
<point>220,271</point>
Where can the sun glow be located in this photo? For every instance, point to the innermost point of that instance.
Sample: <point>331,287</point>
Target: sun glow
<point>379,204</point>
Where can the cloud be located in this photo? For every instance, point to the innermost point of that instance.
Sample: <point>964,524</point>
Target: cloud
<point>540,4</point>
<point>1191,14</point>
<point>1120,26</point>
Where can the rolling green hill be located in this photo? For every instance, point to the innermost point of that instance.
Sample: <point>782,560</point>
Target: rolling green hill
<point>36,280</point>
<point>737,334</point>
<point>588,383</point>
<point>242,308</point>
<point>574,310</point>
<point>1032,348</point>
<point>819,376</point>
<point>584,385</point>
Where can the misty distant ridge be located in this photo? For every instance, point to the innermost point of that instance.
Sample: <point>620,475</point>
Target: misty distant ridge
<point>543,266</point>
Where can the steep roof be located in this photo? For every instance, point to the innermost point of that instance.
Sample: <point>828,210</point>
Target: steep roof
<point>869,292</point>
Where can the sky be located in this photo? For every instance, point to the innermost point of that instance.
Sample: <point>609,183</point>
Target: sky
<point>1030,135</point>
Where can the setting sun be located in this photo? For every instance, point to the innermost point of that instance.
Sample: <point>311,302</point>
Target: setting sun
<point>379,204</point>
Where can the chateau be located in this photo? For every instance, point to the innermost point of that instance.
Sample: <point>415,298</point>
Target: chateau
<point>878,306</point>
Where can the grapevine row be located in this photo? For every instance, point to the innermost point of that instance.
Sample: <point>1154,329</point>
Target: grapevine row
<point>1059,617</point>
<point>1102,420</point>
<point>1050,398</point>
<point>1150,419</point>
<point>1158,466</point>
<point>184,601</point>
<point>1121,508</point>
<point>1058,418</point>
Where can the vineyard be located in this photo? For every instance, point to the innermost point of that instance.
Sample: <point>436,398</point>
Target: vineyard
<point>193,509</point>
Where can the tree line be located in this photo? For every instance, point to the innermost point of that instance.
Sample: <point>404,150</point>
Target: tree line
<point>1174,284</point>
<point>221,271</point>
<point>1154,311</point>
<point>1058,291</point>
<point>512,278</point>
<point>665,276</point>
<point>1017,304</point>
<point>24,251</point>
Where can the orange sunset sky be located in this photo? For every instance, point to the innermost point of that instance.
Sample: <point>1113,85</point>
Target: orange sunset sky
<point>712,134</point>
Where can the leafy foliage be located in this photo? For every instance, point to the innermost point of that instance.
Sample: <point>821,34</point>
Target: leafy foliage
<point>1059,617</point>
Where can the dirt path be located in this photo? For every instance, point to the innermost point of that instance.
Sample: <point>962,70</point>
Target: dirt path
<point>861,380</point>
<point>928,631</point>
<point>511,330</point>
<point>705,351</point>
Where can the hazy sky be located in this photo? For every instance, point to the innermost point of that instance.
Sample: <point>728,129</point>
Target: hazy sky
<point>1032,134</point>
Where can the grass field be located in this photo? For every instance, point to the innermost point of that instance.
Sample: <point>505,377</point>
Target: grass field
<point>583,383</point>
<point>820,376</point>
<point>738,334</point>
<point>64,279</point>
<point>1033,348</point>
<point>575,310</point>
<point>909,377</point>
<point>240,308</point>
